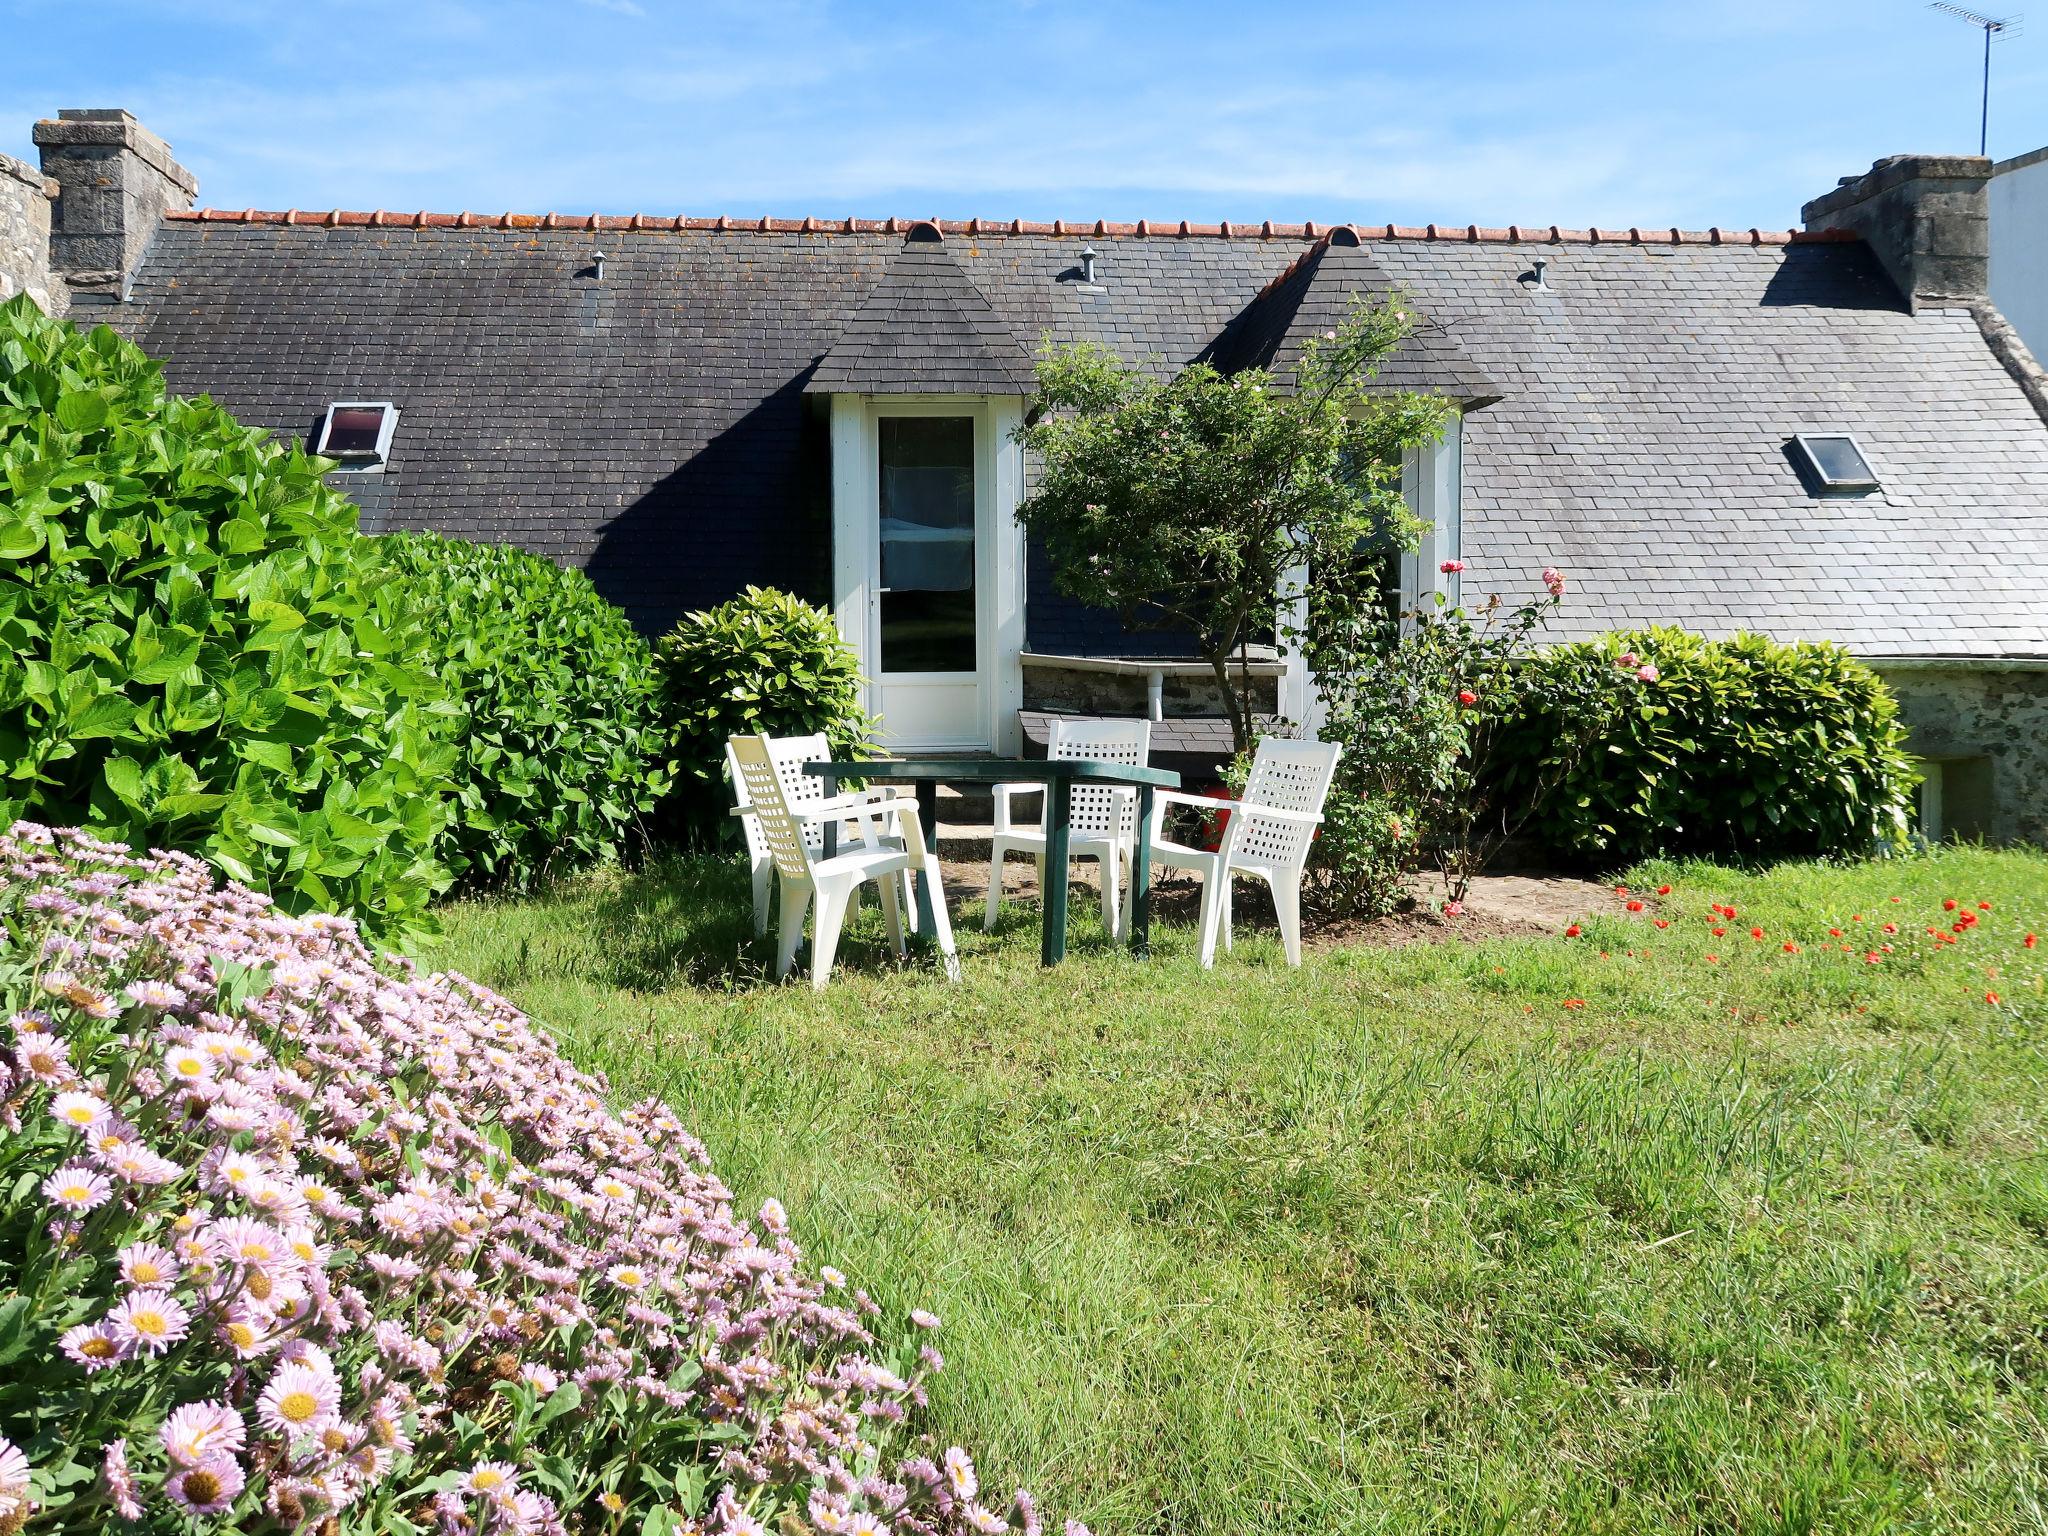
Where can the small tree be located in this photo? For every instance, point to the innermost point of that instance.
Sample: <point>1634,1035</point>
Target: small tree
<point>1195,503</point>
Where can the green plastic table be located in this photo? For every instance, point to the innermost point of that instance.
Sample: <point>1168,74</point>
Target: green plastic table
<point>926,774</point>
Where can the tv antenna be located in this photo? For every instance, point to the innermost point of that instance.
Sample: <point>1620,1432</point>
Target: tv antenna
<point>1992,27</point>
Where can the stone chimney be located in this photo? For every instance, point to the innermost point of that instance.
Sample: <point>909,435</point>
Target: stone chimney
<point>1927,218</point>
<point>115,181</point>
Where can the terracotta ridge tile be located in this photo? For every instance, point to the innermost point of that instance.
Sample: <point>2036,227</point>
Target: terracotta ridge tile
<point>1308,230</point>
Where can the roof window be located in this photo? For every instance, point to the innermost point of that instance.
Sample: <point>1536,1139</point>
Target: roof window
<point>1835,460</point>
<point>357,433</point>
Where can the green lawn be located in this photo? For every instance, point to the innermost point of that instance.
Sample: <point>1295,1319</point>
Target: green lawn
<point>1399,1241</point>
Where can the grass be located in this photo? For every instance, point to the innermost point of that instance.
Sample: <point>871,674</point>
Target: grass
<point>1400,1242</point>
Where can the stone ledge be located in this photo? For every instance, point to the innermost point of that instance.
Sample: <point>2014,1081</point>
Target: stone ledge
<point>27,175</point>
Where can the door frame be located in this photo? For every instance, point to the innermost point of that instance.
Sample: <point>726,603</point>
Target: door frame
<point>998,554</point>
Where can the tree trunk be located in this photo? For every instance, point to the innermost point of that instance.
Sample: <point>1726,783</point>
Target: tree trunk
<point>1234,703</point>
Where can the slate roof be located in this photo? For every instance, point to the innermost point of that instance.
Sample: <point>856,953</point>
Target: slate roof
<point>924,329</point>
<point>1313,297</point>
<point>653,427</point>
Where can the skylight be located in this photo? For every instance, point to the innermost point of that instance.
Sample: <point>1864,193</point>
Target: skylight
<point>1835,460</point>
<point>358,433</point>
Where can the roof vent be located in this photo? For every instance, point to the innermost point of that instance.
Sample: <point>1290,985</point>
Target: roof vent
<point>1344,234</point>
<point>925,232</point>
<point>597,265</point>
<point>1088,259</point>
<point>1541,266</point>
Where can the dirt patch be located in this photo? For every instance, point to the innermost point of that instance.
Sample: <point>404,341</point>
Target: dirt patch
<point>1498,906</point>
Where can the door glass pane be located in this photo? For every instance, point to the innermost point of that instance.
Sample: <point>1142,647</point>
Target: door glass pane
<point>927,543</point>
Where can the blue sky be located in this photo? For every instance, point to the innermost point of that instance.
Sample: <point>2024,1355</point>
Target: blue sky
<point>1538,112</point>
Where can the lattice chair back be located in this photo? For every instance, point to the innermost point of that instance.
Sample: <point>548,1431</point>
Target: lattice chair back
<point>789,754</point>
<point>1101,810</point>
<point>754,758</point>
<point>1290,776</point>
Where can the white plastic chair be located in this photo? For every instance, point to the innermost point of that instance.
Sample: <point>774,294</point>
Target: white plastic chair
<point>1103,817</point>
<point>1268,835</point>
<point>790,753</point>
<point>807,875</point>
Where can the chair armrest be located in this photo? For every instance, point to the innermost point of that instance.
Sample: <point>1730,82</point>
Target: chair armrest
<point>1200,802</point>
<point>740,810</point>
<point>1001,794</point>
<point>1306,818</point>
<point>851,805</point>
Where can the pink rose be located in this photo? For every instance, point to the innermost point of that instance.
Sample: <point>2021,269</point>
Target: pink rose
<point>1647,673</point>
<point>1451,567</point>
<point>1454,909</point>
<point>1628,659</point>
<point>1553,578</point>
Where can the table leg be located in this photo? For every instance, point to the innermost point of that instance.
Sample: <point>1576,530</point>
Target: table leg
<point>1141,878</point>
<point>1052,946</point>
<point>928,816</point>
<point>830,845</point>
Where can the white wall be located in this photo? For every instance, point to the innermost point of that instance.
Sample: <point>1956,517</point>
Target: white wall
<point>2019,246</point>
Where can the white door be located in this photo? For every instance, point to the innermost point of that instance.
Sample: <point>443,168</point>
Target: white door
<point>929,549</point>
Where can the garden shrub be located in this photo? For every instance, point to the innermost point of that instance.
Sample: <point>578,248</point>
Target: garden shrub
<point>563,745</point>
<point>1742,748</point>
<point>1420,702</point>
<point>763,662</point>
<point>197,649</point>
<point>292,1241</point>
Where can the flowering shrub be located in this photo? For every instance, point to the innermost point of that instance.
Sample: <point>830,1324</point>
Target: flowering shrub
<point>1420,702</point>
<point>1737,748</point>
<point>290,1239</point>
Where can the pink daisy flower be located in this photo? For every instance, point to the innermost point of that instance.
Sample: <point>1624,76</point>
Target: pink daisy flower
<point>79,1111</point>
<point>298,1400</point>
<point>149,1264</point>
<point>14,1470</point>
<point>77,1187</point>
<point>119,1481</point>
<point>197,1432</point>
<point>150,1320</point>
<point>94,1346</point>
<point>208,1488</point>
<point>43,1057</point>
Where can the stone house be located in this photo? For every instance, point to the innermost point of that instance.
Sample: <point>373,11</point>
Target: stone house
<point>1823,433</point>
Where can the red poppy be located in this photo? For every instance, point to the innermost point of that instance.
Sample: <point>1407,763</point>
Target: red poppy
<point>1575,1002</point>
<point>1856,917</point>
<point>1791,948</point>
<point>1983,906</point>
<point>1718,931</point>
<point>1891,927</point>
<point>1572,932</point>
<point>1991,998</point>
<point>1635,906</point>
<point>1834,933</point>
<point>1662,922</point>
<point>1895,898</point>
<point>1621,890</point>
<point>2030,941</point>
<point>1874,958</point>
<point>1756,933</point>
<point>1713,959</point>
<point>1949,905</point>
<point>1467,697</point>
<point>1663,890</point>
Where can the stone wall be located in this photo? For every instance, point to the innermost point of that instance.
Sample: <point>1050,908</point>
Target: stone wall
<point>25,236</point>
<point>1988,731</point>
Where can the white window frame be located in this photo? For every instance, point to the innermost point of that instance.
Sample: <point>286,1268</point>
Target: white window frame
<point>359,462</point>
<point>1432,484</point>
<point>999,557</point>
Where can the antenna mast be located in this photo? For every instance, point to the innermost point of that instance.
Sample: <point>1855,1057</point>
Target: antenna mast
<point>1992,26</point>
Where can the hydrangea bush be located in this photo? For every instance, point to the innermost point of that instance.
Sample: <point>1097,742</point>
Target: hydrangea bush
<point>292,1237</point>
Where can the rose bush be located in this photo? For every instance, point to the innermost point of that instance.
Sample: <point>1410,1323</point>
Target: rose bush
<point>294,1238</point>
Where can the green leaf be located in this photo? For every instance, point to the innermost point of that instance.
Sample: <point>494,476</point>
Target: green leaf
<point>82,412</point>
